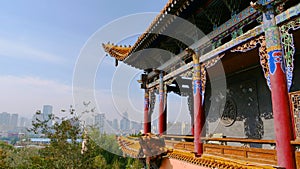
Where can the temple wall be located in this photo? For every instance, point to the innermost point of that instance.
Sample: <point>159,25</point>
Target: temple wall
<point>169,163</point>
<point>247,96</point>
<point>249,92</point>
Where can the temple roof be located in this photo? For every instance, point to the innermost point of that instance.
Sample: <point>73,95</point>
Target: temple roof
<point>121,53</point>
<point>209,16</point>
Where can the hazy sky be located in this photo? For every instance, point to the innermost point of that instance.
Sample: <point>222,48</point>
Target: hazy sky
<point>40,42</point>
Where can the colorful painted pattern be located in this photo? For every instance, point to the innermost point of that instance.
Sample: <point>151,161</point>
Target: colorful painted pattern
<point>197,86</point>
<point>146,99</point>
<point>273,44</point>
<point>275,61</point>
<point>161,87</point>
<point>272,38</point>
<point>286,15</point>
<point>239,40</point>
<point>287,41</point>
<point>197,73</point>
<point>234,21</point>
<point>287,44</point>
<point>264,61</point>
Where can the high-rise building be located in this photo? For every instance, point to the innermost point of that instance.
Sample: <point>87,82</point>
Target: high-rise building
<point>108,127</point>
<point>99,122</point>
<point>125,123</point>
<point>14,121</point>
<point>47,112</point>
<point>4,121</point>
<point>115,124</point>
<point>22,122</point>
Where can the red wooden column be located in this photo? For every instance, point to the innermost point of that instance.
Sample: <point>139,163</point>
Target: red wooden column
<point>279,92</point>
<point>162,117</point>
<point>192,125</point>
<point>191,109</point>
<point>199,116</point>
<point>147,115</point>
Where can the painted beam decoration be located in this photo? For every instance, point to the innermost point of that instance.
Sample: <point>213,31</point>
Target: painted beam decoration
<point>286,15</point>
<point>236,19</point>
<point>196,74</point>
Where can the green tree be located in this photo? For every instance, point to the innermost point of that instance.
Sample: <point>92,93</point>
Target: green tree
<point>64,150</point>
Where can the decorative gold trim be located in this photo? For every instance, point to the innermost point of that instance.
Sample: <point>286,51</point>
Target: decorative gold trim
<point>271,48</point>
<point>212,161</point>
<point>196,65</point>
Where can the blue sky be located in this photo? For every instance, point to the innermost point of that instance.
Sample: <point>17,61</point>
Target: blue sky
<point>39,44</point>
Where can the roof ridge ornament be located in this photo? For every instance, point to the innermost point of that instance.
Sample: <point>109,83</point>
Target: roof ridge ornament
<point>258,6</point>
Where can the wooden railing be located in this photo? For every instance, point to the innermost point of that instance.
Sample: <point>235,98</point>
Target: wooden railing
<point>180,142</point>
<point>187,138</point>
<point>246,153</point>
<point>221,149</point>
<point>225,140</point>
<point>296,144</point>
<point>259,155</point>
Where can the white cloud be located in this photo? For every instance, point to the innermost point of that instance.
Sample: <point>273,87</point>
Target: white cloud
<point>18,50</point>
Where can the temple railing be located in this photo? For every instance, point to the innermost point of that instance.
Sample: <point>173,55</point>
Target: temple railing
<point>220,147</point>
<point>244,141</point>
<point>179,142</point>
<point>296,144</point>
<point>187,138</point>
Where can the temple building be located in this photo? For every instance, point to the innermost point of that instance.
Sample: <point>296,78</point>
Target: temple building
<point>238,64</point>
